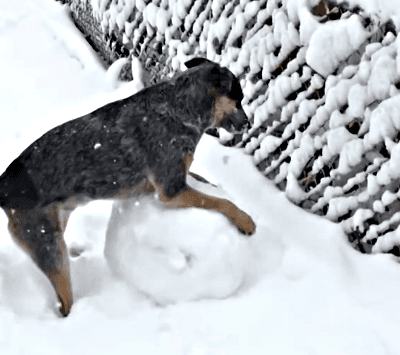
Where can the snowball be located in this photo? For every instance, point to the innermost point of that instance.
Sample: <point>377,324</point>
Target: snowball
<point>176,255</point>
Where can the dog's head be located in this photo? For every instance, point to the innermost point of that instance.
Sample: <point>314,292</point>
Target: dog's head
<point>227,95</point>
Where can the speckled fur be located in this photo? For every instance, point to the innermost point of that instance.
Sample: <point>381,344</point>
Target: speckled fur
<point>107,153</point>
<point>98,154</point>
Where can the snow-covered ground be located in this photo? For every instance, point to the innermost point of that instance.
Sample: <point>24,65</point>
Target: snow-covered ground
<point>175,282</point>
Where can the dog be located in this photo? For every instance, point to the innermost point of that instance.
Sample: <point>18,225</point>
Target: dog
<point>139,145</point>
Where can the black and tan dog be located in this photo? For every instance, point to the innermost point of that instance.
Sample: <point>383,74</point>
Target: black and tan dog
<point>141,144</point>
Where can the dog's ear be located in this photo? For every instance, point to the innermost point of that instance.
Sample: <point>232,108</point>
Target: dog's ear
<point>221,79</point>
<point>195,62</point>
<point>225,82</point>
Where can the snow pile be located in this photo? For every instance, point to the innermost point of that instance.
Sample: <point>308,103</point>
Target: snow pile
<point>174,257</point>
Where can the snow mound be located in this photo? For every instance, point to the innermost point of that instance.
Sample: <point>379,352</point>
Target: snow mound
<point>190,254</point>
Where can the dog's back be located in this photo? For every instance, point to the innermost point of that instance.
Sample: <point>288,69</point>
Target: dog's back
<point>110,149</point>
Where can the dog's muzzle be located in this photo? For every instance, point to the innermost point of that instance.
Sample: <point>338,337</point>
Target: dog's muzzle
<point>236,122</point>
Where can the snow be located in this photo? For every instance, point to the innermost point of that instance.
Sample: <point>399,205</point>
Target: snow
<point>384,121</point>
<point>339,40</point>
<point>351,155</point>
<point>357,97</point>
<point>185,282</point>
<point>381,77</point>
<point>157,17</point>
<point>186,263</point>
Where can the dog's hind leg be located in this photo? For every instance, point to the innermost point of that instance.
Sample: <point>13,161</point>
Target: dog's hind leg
<point>39,232</point>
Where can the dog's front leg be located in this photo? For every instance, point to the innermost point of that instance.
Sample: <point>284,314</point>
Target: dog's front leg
<point>190,197</point>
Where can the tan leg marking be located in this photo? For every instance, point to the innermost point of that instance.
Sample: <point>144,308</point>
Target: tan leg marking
<point>61,281</point>
<point>59,273</point>
<point>193,198</point>
<point>187,162</point>
<point>143,188</point>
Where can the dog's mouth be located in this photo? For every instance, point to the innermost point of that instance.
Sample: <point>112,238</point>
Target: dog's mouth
<point>235,122</point>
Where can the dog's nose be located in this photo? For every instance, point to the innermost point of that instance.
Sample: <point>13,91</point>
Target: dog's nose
<point>240,120</point>
<point>247,125</point>
<point>236,122</point>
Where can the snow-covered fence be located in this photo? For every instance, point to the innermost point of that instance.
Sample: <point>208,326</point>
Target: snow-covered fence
<point>321,84</point>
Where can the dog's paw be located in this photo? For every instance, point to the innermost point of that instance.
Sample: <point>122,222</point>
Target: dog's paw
<point>244,223</point>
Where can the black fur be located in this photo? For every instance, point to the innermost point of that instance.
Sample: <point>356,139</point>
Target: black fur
<point>110,149</point>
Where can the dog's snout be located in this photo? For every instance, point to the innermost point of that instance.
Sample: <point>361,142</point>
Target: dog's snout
<point>240,121</point>
<point>236,122</point>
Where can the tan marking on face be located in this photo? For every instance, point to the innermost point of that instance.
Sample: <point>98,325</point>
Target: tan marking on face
<point>223,106</point>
